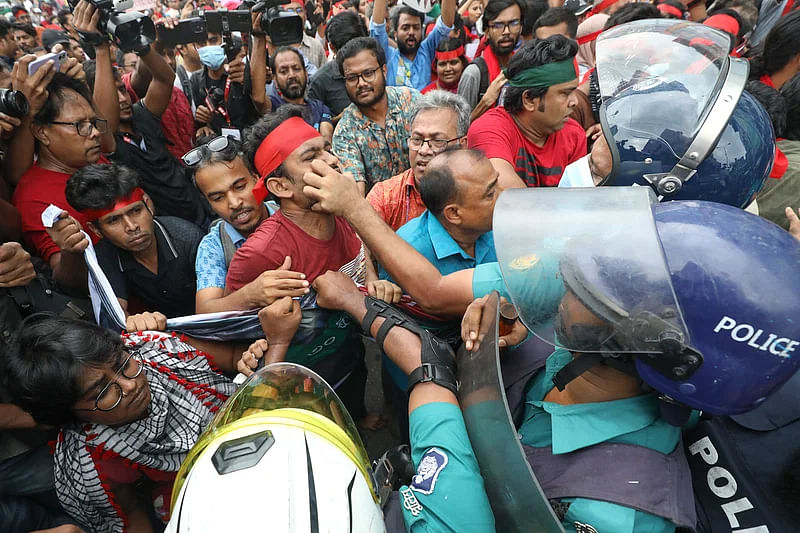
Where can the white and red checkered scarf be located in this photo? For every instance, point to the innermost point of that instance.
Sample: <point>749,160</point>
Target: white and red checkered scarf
<point>185,392</point>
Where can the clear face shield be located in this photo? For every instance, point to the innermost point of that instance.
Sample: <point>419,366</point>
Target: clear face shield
<point>669,89</point>
<point>586,271</point>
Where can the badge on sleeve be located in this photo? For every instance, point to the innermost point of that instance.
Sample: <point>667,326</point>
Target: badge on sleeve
<point>432,463</point>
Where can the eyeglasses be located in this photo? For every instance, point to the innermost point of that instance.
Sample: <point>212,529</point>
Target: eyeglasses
<point>196,155</point>
<point>501,26</point>
<point>436,145</point>
<point>111,395</point>
<point>298,10</point>
<point>84,127</point>
<point>368,76</point>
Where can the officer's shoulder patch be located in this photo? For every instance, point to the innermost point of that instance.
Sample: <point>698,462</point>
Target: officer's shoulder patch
<point>431,464</point>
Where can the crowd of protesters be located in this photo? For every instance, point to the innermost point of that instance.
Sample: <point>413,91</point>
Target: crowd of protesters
<point>183,167</point>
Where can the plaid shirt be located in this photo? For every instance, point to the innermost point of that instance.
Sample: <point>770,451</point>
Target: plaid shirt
<point>370,152</point>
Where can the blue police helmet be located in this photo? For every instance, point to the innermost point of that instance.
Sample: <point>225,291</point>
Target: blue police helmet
<point>675,114</point>
<point>736,279</point>
<point>734,336</point>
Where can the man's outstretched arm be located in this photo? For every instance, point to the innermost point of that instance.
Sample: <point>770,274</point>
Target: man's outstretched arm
<point>338,194</point>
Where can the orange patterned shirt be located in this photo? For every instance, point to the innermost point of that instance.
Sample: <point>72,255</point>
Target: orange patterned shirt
<point>397,199</point>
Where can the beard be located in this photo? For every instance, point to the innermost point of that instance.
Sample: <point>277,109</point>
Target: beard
<point>294,90</point>
<point>408,50</point>
<point>504,49</point>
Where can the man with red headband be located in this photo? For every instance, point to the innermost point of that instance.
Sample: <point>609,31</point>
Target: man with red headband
<point>280,148</point>
<point>532,138</point>
<point>151,258</point>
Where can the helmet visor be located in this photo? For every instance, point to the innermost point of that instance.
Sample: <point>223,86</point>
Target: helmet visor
<point>658,81</point>
<point>289,395</point>
<point>585,269</point>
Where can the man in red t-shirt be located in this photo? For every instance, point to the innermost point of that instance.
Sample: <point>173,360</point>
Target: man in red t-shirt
<point>532,138</point>
<point>281,148</point>
<point>70,135</point>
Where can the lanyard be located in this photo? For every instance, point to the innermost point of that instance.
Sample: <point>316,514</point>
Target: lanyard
<point>221,109</point>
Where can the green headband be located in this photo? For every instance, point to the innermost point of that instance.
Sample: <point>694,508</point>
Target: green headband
<point>545,75</point>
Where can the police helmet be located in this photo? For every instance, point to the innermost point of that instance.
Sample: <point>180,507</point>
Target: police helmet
<point>676,116</point>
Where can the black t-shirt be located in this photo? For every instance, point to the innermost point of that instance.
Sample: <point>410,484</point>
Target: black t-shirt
<point>172,290</point>
<point>327,85</point>
<point>162,176</point>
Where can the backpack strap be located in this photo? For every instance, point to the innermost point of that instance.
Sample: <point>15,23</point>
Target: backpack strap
<point>483,67</point>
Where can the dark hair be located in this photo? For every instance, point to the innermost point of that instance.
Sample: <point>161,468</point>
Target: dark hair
<point>405,10</point>
<point>791,95</point>
<point>17,9</point>
<point>534,10</point>
<point>781,45</point>
<point>56,97</point>
<point>343,28</point>
<point>99,186</point>
<point>256,133</point>
<point>555,16</point>
<point>356,46</point>
<point>62,17</point>
<point>44,366</point>
<point>495,7</point>
<point>120,57</point>
<point>631,12</point>
<point>533,54</point>
<point>5,27</point>
<point>746,9</point>
<point>672,3</point>
<point>27,28</point>
<point>285,49</point>
<point>439,187</point>
<point>772,101</point>
<point>231,152</point>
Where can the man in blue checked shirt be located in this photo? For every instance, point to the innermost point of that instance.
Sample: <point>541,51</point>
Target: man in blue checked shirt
<point>410,63</point>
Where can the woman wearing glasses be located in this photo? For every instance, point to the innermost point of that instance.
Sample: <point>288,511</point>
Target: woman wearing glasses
<point>129,409</point>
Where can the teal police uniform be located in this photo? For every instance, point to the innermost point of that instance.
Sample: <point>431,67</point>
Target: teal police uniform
<point>447,492</point>
<point>568,428</point>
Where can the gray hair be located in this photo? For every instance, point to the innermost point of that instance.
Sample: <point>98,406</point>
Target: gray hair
<point>445,100</point>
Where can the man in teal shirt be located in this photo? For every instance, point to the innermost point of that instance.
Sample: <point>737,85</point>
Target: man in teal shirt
<point>605,405</point>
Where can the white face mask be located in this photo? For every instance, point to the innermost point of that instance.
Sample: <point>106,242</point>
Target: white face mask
<point>577,174</point>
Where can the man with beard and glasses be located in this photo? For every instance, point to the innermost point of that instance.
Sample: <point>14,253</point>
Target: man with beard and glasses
<point>483,80</point>
<point>371,139</point>
<point>291,80</point>
<point>146,257</point>
<point>140,142</point>
<point>410,63</point>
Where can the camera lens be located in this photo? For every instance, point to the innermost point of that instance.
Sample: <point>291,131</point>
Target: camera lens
<point>13,103</point>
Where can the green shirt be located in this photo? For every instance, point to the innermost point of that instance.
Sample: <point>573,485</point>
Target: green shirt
<point>447,494</point>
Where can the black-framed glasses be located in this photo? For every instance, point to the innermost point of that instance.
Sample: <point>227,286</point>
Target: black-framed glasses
<point>111,395</point>
<point>84,127</point>
<point>368,76</point>
<point>501,26</point>
<point>437,145</point>
<point>196,155</point>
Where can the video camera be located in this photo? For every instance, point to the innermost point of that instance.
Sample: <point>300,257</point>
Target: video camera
<point>130,31</point>
<point>283,27</point>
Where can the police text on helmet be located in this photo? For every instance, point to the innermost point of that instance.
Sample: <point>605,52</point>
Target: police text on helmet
<point>757,337</point>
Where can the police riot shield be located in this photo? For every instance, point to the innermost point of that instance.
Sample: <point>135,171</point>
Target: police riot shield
<point>586,271</point>
<point>517,500</point>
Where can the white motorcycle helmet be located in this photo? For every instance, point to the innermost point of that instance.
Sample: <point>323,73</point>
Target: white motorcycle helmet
<point>283,454</point>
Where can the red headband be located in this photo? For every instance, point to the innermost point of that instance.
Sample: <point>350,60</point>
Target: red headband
<point>136,195</point>
<point>723,22</point>
<point>452,54</point>
<point>670,10</point>
<point>276,147</point>
<point>589,37</point>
